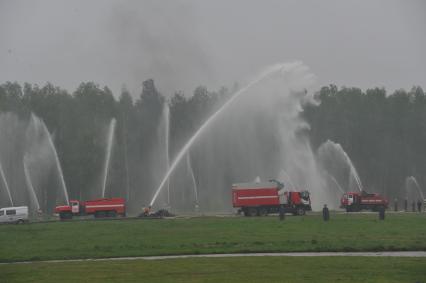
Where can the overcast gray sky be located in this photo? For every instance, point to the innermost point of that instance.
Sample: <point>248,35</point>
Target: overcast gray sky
<point>182,44</point>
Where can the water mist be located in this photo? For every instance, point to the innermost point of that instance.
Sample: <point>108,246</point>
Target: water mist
<point>111,132</point>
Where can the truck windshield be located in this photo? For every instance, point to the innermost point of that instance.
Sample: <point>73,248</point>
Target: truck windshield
<point>1,212</point>
<point>304,195</point>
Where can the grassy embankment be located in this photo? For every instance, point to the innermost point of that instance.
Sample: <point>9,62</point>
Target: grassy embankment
<point>97,239</point>
<point>250,269</point>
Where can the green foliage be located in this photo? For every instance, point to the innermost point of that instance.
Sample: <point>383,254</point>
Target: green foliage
<point>10,97</point>
<point>383,134</point>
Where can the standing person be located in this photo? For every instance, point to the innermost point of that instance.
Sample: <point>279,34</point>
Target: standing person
<point>413,206</point>
<point>395,203</point>
<point>419,205</point>
<point>282,212</point>
<point>325,213</point>
<point>382,213</point>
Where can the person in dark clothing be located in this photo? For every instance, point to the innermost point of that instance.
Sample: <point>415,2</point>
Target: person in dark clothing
<point>413,206</point>
<point>382,213</point>
<point>282,212</point>
<point>419,206</point>
<point>395,203</point>
<point>325,213</point>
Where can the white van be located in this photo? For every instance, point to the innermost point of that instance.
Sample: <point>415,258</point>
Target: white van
<point>17,214</point>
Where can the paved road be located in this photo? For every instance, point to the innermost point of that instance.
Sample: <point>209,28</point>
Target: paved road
<point>366,254</point>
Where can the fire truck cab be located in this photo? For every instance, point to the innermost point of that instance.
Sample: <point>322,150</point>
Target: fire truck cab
<point>75,206</point>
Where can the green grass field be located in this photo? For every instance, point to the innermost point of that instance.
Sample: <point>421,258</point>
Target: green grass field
<point>97,239</point>
<point>249,269</point>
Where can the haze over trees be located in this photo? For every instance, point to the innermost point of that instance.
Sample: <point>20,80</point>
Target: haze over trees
<point>384,134</point>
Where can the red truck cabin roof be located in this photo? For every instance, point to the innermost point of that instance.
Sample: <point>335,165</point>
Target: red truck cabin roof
<point>352,193</point>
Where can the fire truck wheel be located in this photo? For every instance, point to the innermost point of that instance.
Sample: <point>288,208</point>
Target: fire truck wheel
<point>100,214</point>
<point>263,211</point>
<point>252,211</point>
<point>112,214</point>
<point>65,215</point>
<point>300,211</point>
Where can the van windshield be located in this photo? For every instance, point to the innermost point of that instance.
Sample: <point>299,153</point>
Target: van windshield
<point>1,212</point>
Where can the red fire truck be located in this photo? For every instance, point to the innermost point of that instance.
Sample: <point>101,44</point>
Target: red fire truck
<point>357,201</point>
<point>105,207</point>
<point>259,199</point>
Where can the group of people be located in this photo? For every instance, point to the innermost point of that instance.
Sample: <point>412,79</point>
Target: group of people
<point>326,213</point>
<point>413,205</point>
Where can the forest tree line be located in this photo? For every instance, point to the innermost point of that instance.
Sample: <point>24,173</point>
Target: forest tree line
<point>384,134</point>
<point>79,123</point>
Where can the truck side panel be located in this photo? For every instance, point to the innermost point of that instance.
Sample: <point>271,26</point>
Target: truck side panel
<point>114,204</point>
<point>254,197</point>
<point>372,201</point>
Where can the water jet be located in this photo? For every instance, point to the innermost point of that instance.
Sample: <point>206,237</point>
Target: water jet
<point>209,121</point>
<point>111,132</point>
<point>33,195</point>
<point>194,183</point>
<point>6,185</point>
<point>39,124</point>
